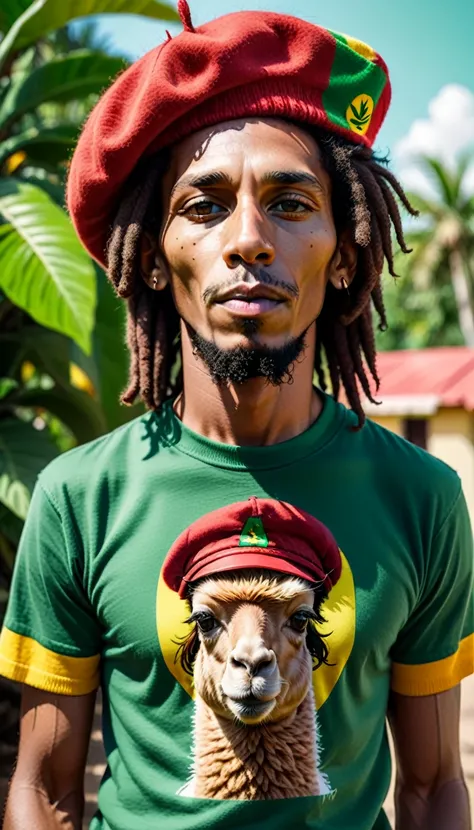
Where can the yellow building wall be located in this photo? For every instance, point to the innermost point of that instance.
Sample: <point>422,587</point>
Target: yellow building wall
<point>391,422</point>
<point>451,438</point>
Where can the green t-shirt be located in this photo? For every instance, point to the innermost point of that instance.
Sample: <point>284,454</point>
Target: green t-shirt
<point>88,604</point>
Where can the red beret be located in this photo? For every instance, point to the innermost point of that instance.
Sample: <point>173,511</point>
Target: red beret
<point>253,63</point>
<point>258,533</point>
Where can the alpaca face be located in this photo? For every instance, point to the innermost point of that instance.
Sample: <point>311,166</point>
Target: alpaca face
<point>253,662</point>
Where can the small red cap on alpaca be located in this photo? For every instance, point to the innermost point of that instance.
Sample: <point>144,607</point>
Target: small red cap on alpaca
<point>257,533</point>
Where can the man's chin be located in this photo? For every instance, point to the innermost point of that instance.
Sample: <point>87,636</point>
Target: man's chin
<point>249,359</point>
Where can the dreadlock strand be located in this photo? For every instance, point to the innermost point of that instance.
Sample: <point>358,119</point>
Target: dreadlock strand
<point>131,241</point>
<point>114,256</point>
<point>347,371</point>
<point>376,245</point>
<point>318,365</point>
<point>160,358</point>
<point>355,352</point>
<point>367,341</point>
<point>368,268</point>
<point>130,393</point>
<point>360,211</point>
<point>145,325</point>
<point>379,305</point>
<point>115,246</point>
<point>379,213</point>
<point>327,339</point>
<point>394,214</point>
<point>396,186</point>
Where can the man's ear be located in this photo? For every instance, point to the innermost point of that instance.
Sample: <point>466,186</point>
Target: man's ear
<point>344,262</point>
<point>151,264</point>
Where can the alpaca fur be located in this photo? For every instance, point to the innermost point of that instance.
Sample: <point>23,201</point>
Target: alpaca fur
<point>274,760</point>
<point>277,756</point>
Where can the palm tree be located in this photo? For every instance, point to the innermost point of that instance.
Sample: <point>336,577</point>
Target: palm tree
<point>444,247</point>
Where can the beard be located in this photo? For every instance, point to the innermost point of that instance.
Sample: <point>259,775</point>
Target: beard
<point>241,364</point>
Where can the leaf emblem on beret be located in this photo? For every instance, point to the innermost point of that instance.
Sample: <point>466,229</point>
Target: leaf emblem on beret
<point>253,534</point>
<point>359,114</point>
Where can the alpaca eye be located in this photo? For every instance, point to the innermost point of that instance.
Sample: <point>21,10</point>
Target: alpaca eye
<point>298,622</point>
<point>206,623</point>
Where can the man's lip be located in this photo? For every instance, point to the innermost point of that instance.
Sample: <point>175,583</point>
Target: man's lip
<point>256,291</point>
<point>250,306</point>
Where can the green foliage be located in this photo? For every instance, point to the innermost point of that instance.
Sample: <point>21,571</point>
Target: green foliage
<point>418,318</point>
<point>46,147</point>
<point>110,353</point>
<point>63,361</point>
<point>39,18</point>
<point>432,302</point>
<point>57,286</point>
<point>24,451</point>
<point>70,77</point>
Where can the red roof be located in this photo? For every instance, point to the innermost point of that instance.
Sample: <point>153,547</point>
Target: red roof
<point>447,373</point>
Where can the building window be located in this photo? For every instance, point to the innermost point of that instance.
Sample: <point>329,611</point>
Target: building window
<point>415,430</point>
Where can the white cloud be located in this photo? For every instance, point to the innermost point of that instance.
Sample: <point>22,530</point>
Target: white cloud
<point>447,132</point>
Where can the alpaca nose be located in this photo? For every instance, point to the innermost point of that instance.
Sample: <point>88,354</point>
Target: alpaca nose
<point>256,661</point>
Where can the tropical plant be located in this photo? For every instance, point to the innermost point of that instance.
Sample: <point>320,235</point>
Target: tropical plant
<point>419,316</point>
<point>443,257</point>
<point>62,352</point>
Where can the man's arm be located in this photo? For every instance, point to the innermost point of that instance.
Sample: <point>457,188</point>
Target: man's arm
<point>47,788</point>
<point>430,791</point>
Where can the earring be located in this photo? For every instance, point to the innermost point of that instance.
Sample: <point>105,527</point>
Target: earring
<point>345,285</point>
<point>158,279</point>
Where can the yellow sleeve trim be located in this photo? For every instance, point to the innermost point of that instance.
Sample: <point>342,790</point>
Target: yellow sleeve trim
<point>26,661</point>
<point>436,677</point>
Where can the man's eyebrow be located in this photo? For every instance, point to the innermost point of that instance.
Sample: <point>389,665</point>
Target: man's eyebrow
<point>285,177</point>
<point>218,177</point>
<point>203,180</point>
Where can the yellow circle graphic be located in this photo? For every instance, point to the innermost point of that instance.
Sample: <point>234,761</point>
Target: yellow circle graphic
<point>338,611</point>
<point>359,114</point>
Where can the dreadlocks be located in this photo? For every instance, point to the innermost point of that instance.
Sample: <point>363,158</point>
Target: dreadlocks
<point>363,198</point>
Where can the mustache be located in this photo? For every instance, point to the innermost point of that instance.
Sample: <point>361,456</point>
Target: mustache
<point>261,275</point>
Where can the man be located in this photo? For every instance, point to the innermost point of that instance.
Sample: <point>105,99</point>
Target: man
<point>227,183</point>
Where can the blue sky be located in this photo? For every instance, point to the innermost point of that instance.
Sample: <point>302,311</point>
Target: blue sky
<point>426,43</point>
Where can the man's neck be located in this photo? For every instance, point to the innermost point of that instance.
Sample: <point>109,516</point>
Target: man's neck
<point>254,413</point>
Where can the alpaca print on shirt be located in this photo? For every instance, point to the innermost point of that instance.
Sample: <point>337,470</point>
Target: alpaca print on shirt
<point>250,657</point>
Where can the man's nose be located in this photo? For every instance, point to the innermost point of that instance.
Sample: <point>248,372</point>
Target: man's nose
<point>248,238</point>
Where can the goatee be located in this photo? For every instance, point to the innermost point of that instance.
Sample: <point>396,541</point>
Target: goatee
<point>241,364</point>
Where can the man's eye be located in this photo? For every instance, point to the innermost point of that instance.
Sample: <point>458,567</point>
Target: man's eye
<point>290,206</point>
<point>299,621</point>
<point>203,209</point>
<point>207,623</point>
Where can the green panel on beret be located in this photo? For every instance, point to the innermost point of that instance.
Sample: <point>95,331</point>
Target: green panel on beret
<point>355,85</point>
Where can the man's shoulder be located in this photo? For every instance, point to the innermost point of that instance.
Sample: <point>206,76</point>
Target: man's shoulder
<point>105,457</point>
<point>408,466</point>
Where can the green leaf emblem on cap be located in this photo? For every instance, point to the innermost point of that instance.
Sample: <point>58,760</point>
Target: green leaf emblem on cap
<point>253,534</point>
<point>359,113</point>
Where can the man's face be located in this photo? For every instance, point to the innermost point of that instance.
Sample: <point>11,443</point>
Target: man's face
<point>248,238</point>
